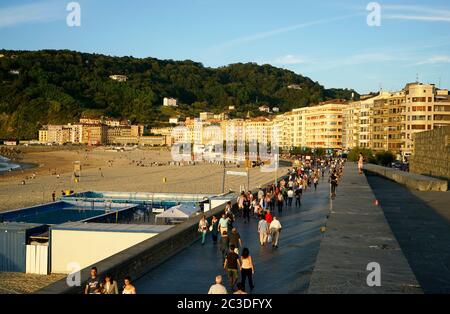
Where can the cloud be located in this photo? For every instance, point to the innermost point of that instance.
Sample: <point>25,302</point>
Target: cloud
<point>289,60</point>
<point>435,60</point>
<point>278,31</point>
<point>410,12</point>
<point>31,13</point>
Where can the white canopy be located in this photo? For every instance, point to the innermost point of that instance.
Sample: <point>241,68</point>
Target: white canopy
<point>182,211</point>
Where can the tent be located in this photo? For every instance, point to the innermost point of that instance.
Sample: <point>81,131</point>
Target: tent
<point>178,213</point>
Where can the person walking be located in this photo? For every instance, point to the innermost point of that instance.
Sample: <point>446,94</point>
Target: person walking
<point>231,265</point>
<point>360,163</point>
<point>128,288</point>
<point>214,229</point>
<point>54,196</point>
<point>280,203</point>
<point>224,244</point>
<point>275,229</point>
<point>316,182</point>
<point>246,209</point>
<point>235,240</point>
<point>263,230</point>
<point>203,228</point>
<point>290,197</point>
<point>93,284</point>
<point>247,268</point>
<point>298,197</point>
<point>333,184</point>
<point>109,285</point>
<point>218,287</point>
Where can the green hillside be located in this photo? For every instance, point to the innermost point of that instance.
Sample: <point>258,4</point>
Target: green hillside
<point>58,86</point>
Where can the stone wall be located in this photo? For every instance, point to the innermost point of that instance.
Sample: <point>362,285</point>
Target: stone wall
<point>432,153</point>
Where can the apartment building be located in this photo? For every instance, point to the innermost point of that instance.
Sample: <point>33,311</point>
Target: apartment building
<point>323,125</point>
<point>426,108</point>
<point>389,120</point>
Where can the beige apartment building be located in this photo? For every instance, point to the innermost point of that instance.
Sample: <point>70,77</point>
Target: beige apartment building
<point>389,121</point>
<point>322,125</point>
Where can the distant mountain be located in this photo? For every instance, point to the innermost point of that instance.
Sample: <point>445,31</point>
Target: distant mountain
<point>58,86</point>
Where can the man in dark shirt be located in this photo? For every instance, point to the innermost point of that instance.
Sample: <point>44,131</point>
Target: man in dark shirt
<point>224,243</point>
<point>93,283</point>
<point>231,265</point>
<point>235,239</point>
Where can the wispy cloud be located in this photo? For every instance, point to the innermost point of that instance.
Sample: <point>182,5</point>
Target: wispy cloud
<point>31,13</point>
<point>289,60</point>
<point>435,60</point>
<point>278,31</point>
<point>416,13</point>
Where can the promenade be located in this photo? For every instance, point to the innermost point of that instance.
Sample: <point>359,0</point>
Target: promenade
<point>284,270</point>
<point>358,234</point>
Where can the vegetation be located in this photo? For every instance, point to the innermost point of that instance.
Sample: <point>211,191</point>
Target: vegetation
<point>368,155</point>
<point>58,86</point>
<point>380,158</point>
<point>385,158</point>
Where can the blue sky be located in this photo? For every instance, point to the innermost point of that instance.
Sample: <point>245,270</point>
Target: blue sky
<point>328,41</point>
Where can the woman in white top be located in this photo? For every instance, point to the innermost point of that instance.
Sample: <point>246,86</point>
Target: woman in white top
<point>128,288</point>
<point>203,228</point>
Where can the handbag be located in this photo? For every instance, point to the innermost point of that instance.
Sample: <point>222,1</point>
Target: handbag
<point>269,239</point>
<point>211,228</point>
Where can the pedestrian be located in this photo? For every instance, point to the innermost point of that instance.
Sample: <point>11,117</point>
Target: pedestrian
<point>218,287</point>
<point>247,268</point>
<point>246,209</point>
<point>224,244</point>
<point>240,202</point>
<point>298,197</point>
<point>223,223</point>
<point>290,196</point>
<point>263,230</point>
<point>268,217</point>
<point>280,202</point>
<point>203,228</point>
<point>235,240</point>
<point>316,182</point>
<point>231,265</point>
<point>360,163</point>
<point>275,229</point>
<point>334,184</point>
<point>93,284</point>
<point>54,196</point>
<point>109,285</point>
<point>128,288</point>
<point>214,229</point>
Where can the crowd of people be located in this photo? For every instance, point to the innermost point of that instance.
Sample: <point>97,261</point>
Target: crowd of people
<point>262,206</point>
<point>95,285</point>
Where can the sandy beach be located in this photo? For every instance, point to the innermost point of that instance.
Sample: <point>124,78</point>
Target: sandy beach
<point>103,170</point>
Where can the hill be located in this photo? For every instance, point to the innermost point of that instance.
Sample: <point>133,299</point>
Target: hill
<point>58,86</point>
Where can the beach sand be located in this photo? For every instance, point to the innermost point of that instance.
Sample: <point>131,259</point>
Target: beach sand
<point>124,175</point>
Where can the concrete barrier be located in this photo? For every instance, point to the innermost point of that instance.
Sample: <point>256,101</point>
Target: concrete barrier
<point>411,180</point>
<point>143,257</point>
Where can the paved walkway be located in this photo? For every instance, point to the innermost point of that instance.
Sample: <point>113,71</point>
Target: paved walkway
<point>421,224</point>
<point>358,234</point>
<point>284,270</point>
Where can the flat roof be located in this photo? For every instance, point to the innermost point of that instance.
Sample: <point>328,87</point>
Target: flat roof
<point>104,227</point>
<point>18,226</point>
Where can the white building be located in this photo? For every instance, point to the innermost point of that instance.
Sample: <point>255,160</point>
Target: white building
<point>170,102</point>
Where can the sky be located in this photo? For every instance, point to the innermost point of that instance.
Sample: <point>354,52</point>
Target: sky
<point>330,41</point>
